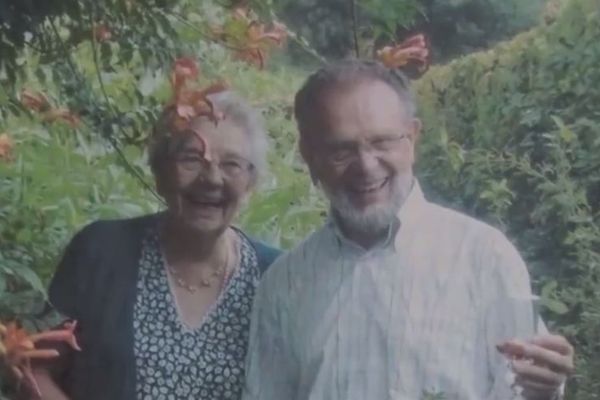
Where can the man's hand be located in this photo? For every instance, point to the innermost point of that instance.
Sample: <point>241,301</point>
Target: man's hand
<point>541,364</point>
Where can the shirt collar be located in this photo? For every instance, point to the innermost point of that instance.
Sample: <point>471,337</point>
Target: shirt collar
<point>407,212</point>
<point>412,205</point>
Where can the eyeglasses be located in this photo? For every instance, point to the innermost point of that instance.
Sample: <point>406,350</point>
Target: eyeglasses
<point>343,154</point>
<point>229,167</point>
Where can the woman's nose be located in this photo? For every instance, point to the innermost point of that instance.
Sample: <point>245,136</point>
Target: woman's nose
<point>211,175</point>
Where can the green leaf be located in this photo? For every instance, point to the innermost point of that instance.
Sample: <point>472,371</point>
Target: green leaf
<point>549,288</point>
<point>566,134</point>
<point>30,277</point>
<point>556,306</point>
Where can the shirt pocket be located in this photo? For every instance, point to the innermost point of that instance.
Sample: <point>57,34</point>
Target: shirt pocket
<point>444,346</point>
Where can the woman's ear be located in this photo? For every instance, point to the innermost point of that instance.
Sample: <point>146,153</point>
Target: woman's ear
<point>159,184</point>
<point>161,180</point>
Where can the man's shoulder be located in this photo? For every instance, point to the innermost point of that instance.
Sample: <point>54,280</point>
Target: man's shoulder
<point>294,260</point>
<point>454,221</point>
<point>475,233</point>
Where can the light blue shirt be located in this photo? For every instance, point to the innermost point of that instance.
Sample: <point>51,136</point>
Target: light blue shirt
<point>421,312</point>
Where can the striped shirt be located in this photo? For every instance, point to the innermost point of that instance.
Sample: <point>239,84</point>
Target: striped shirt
<point>419,313</point>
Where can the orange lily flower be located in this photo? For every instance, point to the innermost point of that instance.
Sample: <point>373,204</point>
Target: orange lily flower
<point>413,49</point>
<point>102,33</point>
<point>61,114</point>
<point>35,101</point>
<point>249,39</point>
<point>193,103</point>
<point>241,12</point>
<point>6,146</point>
<point>18,349</point>
<point>184,68</point>
<point>38,102</point>
<point>190,102</point>
<point>258,41</point>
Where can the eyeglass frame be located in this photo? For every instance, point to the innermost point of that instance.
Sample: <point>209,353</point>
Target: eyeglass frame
<point>352,149</point>
<point>201,165</point>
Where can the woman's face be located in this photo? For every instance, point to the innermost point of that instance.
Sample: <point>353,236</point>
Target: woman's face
<point>205,189</point>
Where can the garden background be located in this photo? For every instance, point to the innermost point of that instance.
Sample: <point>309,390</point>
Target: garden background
<point>510,105</point>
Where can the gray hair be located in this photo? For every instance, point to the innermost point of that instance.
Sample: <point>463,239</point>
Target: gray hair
<point>348,72</point>
<point>162,144</point>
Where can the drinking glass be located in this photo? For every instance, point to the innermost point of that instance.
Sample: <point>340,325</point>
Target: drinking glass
<point>524,323</point>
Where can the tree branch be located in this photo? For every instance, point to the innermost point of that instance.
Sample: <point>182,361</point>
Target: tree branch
<point>111,139</point>
<point>355,27</point>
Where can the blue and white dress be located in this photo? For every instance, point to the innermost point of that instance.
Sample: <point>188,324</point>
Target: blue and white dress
<point>176,362</point>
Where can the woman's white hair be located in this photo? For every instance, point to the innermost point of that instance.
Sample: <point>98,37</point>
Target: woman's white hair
<point>162,144</point>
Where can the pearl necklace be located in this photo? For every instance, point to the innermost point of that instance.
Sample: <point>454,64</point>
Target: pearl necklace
<point>220,274</point>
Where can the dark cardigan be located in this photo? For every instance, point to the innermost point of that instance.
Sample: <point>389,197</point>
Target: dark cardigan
<point>95,284</point>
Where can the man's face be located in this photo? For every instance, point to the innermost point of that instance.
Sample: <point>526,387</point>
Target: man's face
<point>360,147</point>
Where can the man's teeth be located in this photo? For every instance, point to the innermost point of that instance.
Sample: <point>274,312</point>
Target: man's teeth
<point>371,187</point>
<point>214,203</point>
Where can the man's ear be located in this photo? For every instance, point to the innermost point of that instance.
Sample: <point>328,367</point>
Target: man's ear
<point>304,149</point>
<point>415,135</point>
<point>252,183</point>
<point>309,158</point>
<point>416,128</point>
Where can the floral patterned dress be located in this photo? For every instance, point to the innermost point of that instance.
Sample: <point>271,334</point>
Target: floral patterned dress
<point>176,362</point>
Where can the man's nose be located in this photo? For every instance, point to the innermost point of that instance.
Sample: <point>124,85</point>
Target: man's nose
<point>367,160</point>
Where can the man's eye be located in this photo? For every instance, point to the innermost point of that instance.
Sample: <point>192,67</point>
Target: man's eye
<point>231,165</point>
<point>190,160</point>
<point>340,154</point>
<point>382,144</point>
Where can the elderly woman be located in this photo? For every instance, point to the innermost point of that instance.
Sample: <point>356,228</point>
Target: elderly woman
<point>163,301</point>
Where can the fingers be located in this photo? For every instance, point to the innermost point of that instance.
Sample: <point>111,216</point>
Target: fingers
<point>20,357</point>
<point>552,351</point>
<point>537,374</point>
<point>556,343</point>
<point>541,365</point>
<point>513,348</point>
<point>554,360</point>
<point>17,372</point>
<point>535,390</point>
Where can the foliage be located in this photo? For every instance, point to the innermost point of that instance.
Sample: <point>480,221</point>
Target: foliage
<point>55,177</point>
<point>109,67</point>
<point>458,27</point>
<point>329,25</point>
<point>18,349</point>
<point>512,136</point>
<point>455,26</point>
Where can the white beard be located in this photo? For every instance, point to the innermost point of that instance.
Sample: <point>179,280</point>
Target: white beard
<point>374,219</point>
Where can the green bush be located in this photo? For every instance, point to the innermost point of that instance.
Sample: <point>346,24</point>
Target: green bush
<point>512,136</point>
<point>62,178</point>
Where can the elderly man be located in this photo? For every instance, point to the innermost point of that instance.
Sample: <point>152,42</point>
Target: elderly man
<point>394,297</point>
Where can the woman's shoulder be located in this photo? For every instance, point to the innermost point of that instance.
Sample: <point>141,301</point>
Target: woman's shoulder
<point>268,254</point>
<point>265,253</point>
<point>114,229</point>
